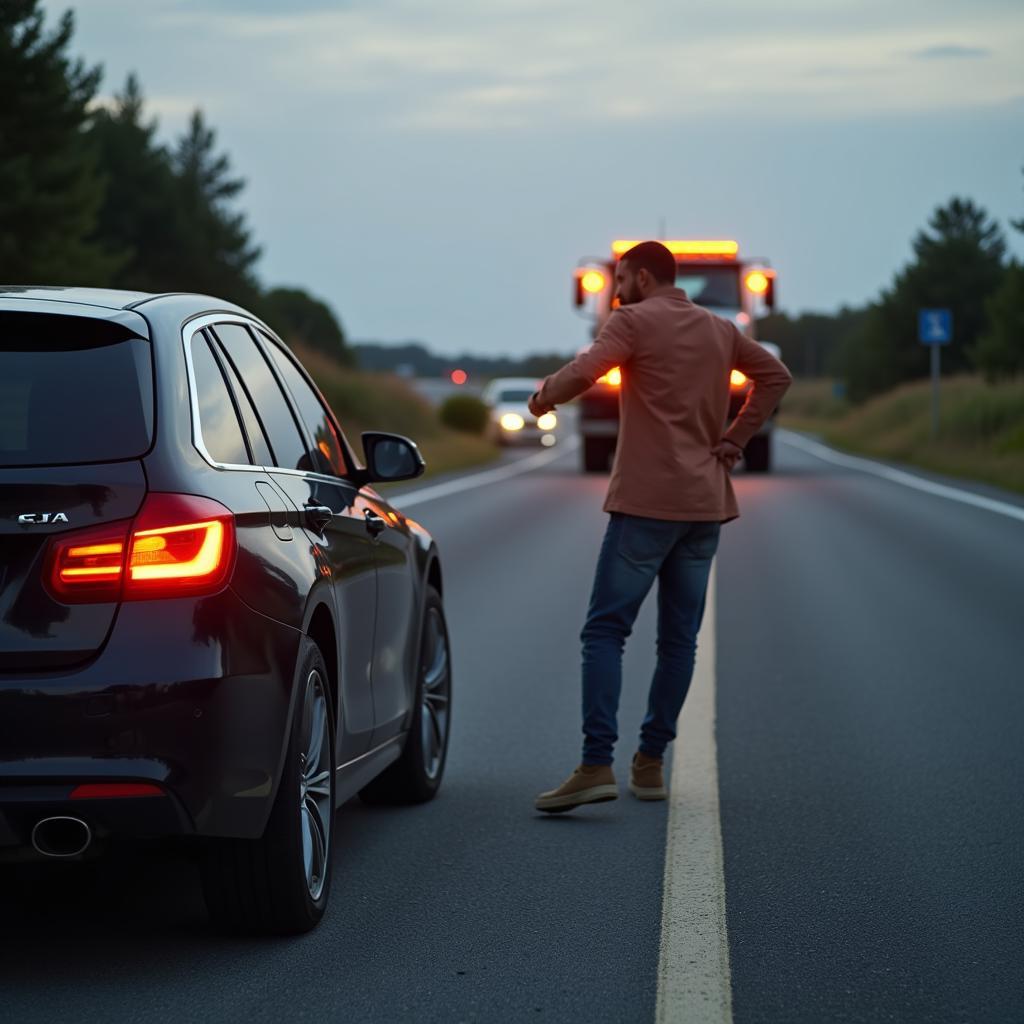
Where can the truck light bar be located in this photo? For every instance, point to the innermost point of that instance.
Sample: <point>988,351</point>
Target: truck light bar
<point>726,248</point>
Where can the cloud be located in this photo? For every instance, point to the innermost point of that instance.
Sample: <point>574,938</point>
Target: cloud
<point>951,52</point>
<point>525,64</point>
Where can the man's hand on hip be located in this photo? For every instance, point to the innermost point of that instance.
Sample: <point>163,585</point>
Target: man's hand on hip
<point>537,408</point>
<point>727,453</point>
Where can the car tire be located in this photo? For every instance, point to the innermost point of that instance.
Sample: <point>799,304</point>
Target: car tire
<point>757,456</point>
<point>279,884</point>
<point>416,776</point>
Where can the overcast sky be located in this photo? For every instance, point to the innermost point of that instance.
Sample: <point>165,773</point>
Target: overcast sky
<point>435,170</point>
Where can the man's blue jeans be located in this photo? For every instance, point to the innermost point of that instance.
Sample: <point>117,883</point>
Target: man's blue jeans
<point>635,552</point>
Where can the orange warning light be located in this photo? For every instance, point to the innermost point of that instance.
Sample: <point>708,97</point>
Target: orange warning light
<point>459,376</point>
<point>612,377</point>
<point>593,281</point>
<point>724,247</point>
<point>737,378</point>
<point>757,282</point>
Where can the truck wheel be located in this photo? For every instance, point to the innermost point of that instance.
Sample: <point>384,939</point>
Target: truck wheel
<point>415,777</point>
<point>279,884</point>
<point>757,456</point>
<point>597,452</point>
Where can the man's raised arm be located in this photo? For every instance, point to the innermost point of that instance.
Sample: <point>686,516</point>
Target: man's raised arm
<point>612,347</point>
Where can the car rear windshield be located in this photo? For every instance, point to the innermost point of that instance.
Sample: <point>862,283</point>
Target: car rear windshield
<point>72,390</point>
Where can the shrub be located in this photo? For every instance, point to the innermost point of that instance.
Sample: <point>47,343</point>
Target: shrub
<point>466,413</point>
<point>999,353</point>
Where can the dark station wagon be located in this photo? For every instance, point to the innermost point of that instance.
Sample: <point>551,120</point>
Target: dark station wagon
<point>211,624</point>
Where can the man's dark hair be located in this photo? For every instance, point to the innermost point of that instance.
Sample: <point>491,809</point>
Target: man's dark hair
<point>655,259</point>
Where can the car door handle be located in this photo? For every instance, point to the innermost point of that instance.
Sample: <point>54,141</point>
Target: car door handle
<point>374,523</point>
<point>318,516</point>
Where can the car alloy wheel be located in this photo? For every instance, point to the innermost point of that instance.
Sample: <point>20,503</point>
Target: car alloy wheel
<point>315,811</point>
<point>279,883</point>
<point>416,776</point>
<point>435,693</point>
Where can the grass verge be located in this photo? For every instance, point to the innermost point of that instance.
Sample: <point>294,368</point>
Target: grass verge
<point>380,401</point>
<point>981,433</point>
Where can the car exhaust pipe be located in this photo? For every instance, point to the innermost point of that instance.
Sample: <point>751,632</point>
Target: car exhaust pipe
<point>61,837</point>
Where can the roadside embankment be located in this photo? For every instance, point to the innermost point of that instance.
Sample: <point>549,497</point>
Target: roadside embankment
<point>380,401</point>
<point>981,434</point>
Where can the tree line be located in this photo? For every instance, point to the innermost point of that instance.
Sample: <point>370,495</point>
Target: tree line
<point>959,263</point>
<point>88,196</point>
<point>415,359</point>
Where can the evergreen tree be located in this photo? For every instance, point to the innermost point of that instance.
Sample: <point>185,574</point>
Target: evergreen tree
<point>810,341</point>
<point>219,255</point>
<point>140,212</point>
<point>300,318</point>
<point>50,187</point>
<point>958,265</point>
<point>1018,224</point>
<point>1000,351</point>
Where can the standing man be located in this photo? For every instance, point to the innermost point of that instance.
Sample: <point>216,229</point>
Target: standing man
<point>668,496</point>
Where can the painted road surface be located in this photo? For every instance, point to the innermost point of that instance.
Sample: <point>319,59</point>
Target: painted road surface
<point>863,659</point>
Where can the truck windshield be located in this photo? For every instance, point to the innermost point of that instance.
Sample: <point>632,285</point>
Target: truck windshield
<point>716,286</point>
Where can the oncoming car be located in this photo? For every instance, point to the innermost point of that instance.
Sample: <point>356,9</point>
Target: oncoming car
<point>211,625</point>
<point>511,420</point>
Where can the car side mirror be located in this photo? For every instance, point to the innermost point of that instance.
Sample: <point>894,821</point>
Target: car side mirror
<point>390,457</point>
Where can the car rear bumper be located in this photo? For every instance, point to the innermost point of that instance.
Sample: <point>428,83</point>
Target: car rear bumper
<point>193,696</point>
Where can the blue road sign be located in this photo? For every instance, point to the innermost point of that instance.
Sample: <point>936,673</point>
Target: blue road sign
<point>935,326</point>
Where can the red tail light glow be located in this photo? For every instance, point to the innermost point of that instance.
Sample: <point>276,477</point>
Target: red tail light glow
<point>87,565</point>
<point>114,790</point>
<point>178,544</point>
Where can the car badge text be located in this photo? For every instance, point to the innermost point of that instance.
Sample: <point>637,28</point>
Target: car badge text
<point>30,518</point>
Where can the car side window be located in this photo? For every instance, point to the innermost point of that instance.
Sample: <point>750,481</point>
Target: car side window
<point>218,421</point>
<point>267,396</point>
<point>261,452</point>
<point>327,454</point>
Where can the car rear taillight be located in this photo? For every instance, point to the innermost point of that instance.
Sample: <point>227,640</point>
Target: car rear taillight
<point>178,544</point>
<point>88,565</point>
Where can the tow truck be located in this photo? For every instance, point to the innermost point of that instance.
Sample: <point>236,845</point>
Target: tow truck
<point>712,274</point>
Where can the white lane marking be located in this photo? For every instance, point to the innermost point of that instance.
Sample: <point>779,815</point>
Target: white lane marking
<point>897,476</point>
<point>489,476</point>
<point>694,984</point>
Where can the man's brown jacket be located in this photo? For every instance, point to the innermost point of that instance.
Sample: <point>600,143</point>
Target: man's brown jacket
<point>676,358</point>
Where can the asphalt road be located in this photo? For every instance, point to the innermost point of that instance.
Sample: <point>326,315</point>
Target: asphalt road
<point>870,705</point>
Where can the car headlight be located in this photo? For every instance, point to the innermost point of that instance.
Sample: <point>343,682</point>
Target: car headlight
<point>548,421</point>
<point>512,421</point>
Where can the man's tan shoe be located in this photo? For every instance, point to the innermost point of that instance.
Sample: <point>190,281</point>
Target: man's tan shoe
<point>646,779</point>
<point>589,784</point>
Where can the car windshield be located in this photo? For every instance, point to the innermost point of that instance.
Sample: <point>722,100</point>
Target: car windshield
<point>514,395</point>
<point>711,286</point>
